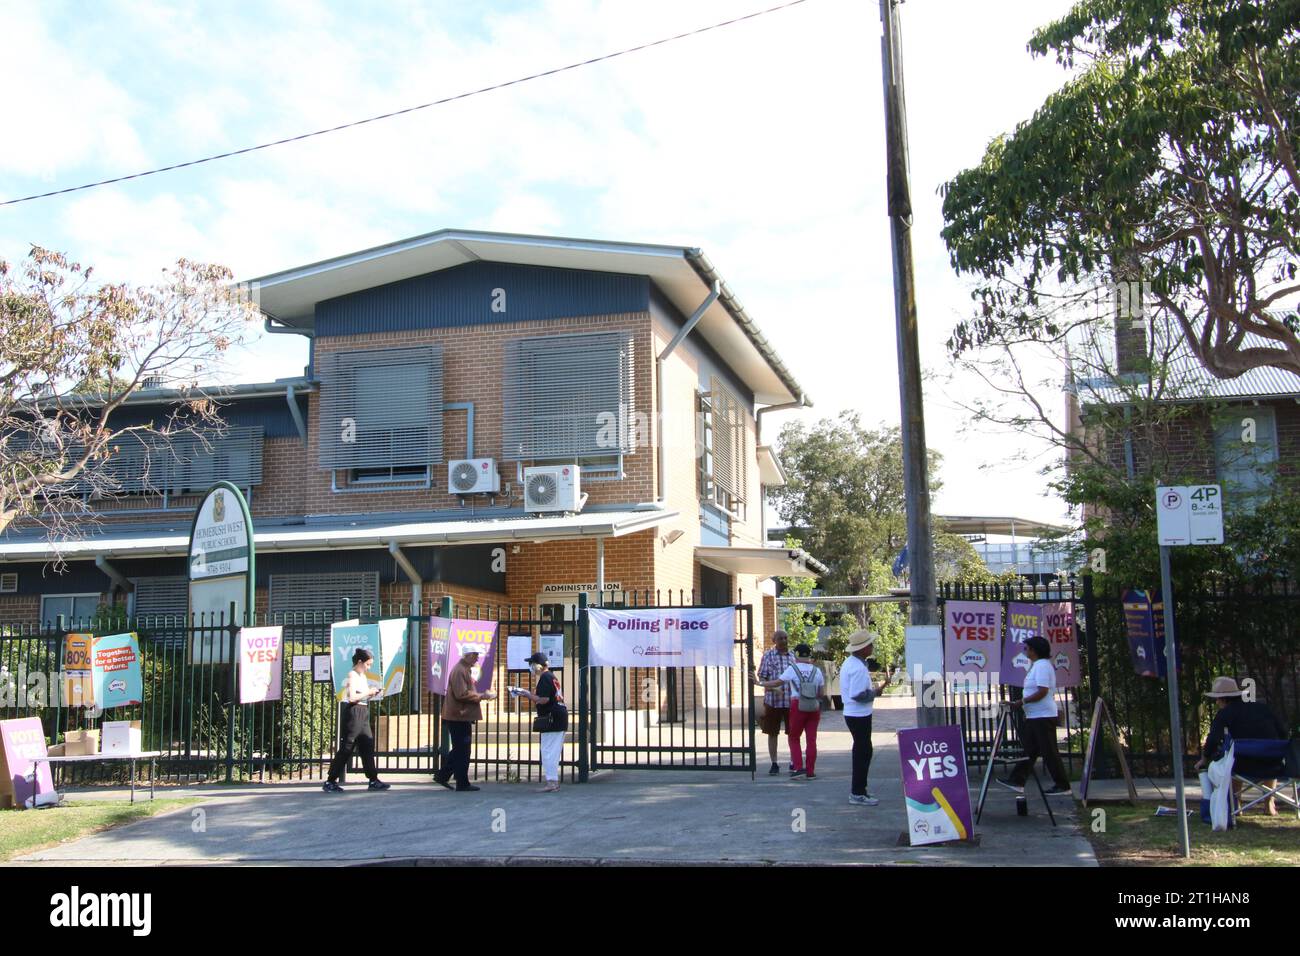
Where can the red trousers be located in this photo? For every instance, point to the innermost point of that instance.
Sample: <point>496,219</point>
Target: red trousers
<point>800,721</point>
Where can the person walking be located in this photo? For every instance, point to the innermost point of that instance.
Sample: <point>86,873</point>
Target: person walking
<point>858,692</point>
<point>1038,731</point>
<point>356,726</point>
<point>550,711</point>
<point>776,700</point>
<point>460,711</point>
<point>807,687</point>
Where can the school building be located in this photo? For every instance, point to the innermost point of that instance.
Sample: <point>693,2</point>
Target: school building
<point>505,419</point>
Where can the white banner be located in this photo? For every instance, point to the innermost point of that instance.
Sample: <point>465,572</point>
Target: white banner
<point>662,637</point>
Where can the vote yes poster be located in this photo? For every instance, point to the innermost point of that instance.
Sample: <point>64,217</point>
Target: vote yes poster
<point>386,642</point>
<point>21,741</point>
<point>1058,628</point>
<point>972,643</point>
<point>261,664</point>
<point>1023,622</point>
<point>450,639</point>
<point>115,670</point>
<point>935,786</point>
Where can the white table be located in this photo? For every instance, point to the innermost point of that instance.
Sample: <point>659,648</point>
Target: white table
<point>151,755</point>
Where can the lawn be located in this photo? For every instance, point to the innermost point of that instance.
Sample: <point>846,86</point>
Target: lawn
<point>1135,836</point>
<point>25,831</point>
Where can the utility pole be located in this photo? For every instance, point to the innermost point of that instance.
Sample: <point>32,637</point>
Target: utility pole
<point>920,547</point>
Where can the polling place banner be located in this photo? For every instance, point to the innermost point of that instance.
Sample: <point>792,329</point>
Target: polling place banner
<point>935,786</point>
<point>115,671</point>
<point>449,639</point>
<point>261,663</point>
<point>21,741</point>
<point>662,637</point>
<point>972,642</point>
<point>1058,628</point>
<point>386,642</point>
<point>1023,622</point>
<point>78,680</point>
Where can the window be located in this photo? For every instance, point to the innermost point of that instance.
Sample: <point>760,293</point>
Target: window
<point>723,471</point>
<point>195,463</point>
<point>77,609</point>
<point>381,412</point>
<point>568,397</point>
<point>1245,466</point>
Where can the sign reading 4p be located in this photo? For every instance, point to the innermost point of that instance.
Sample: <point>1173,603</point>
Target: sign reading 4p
<point>1189,514</point>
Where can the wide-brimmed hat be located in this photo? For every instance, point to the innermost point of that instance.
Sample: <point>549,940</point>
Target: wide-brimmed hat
<point>1224,687</point>
<point>860,639</point>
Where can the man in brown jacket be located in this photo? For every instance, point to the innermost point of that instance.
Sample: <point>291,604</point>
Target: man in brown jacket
<point>460,709</point>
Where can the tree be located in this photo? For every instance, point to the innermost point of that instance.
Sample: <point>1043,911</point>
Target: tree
<point>1170,158</point>
<point>72,353</point>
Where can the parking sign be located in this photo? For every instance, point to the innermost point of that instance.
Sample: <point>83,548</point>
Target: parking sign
<point>1189,514</point>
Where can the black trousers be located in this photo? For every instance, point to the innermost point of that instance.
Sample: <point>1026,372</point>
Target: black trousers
<point>356,736</point>
<point>462,735</point>
<point>1038,735</point>
<point>860,728</point>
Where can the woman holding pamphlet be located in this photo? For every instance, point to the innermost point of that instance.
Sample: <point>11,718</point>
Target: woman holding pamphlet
<point>356,725</point>
<point>551,717</point>
<point>1038,732</point>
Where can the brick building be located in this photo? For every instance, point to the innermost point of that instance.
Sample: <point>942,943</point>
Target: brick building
<point>614,361</point>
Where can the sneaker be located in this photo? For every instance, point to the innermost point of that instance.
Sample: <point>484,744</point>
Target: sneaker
<point>1059,792</point>
<point>775,770</point>
<point>332,787</point>
<point>379,785</point>
<point>797,773</point>
<point>1010,785</point>
<point>468,787</point>
<point>442,781</point>
<point>550,788</point>
<point>858,800</point>
<point>870,800</point>
<point>811,776</point>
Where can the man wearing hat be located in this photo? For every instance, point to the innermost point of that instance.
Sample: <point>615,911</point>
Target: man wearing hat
<point>1243,720</point>
<point>460,710</point>
<point>857,691</point>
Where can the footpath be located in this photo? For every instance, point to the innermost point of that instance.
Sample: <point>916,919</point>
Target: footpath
<point>619,817</point>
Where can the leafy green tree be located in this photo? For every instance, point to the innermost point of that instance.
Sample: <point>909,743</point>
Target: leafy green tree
<point>1169,158</point>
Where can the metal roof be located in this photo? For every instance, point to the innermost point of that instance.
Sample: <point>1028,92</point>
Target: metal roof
<point>683,273</point>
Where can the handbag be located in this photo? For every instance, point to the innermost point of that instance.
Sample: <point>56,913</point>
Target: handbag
<point>546,723</point>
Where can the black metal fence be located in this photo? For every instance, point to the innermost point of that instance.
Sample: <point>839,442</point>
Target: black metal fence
<point>190,711</point>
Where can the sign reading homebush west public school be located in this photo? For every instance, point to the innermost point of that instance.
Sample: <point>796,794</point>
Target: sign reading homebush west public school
<point>386,642</point>
<point>1058,628</point>
<point>261,664</point>
<point>21,741</point>
<point>450,639</point>
<point>221,569</point>
<point>662,637</point>
<point>934,785</point>
<point>972,645</point>
<point>1023,622</point>
<point>115,671</point>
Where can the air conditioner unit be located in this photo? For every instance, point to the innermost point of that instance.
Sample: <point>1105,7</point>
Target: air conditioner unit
<point>552,488</point>
<point>473,476</point>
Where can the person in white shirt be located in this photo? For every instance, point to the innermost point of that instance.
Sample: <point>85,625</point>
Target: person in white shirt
<point>802,671</point>
<point>356,735</point>
<point>858,691</point>
<point>1038,731</point>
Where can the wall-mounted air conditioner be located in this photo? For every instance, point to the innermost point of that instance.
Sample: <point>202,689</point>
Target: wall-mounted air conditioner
<point>552,488</point>
<point>473,476</point>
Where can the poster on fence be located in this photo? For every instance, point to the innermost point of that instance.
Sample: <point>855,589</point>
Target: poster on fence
<point>386,642</point>
<point>1058,628</point>
<point>450,639</point>
<point>21,741</point>
<point>115,670</point>
<point>261,663</point>
<point>935,786</point>
<point>1146,633</point>
<point>662,637</point>
<point>1023,622</point>
<point>972,643</point>
<point>78,680</point>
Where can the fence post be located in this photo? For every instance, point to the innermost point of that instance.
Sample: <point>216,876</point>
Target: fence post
<point>1090,637</point>
<point>445,609</point>
<point>231,632</point>
<point>584,704</point>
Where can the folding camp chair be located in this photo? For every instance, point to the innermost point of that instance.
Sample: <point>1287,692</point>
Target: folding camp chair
<point>1287,755</point>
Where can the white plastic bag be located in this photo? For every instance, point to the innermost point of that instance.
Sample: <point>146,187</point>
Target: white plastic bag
<point>1220,777</point>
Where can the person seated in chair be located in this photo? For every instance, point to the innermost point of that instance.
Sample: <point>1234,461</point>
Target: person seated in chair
<point>1243,720</point>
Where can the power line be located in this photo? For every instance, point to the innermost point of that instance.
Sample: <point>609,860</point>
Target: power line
<point>403,112</point>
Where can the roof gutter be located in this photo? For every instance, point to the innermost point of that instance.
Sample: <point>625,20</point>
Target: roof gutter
<point>412,575</point>
<point>283,329</point>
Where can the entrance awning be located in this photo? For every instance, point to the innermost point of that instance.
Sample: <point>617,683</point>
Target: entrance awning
<point>764,562</point>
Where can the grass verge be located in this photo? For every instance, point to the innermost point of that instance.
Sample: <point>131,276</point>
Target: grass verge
<point>26,831</point>
<point>1135,836</point>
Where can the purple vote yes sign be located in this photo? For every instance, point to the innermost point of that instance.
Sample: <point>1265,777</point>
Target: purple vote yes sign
<point>935,786</point>
<point>1023,622</point>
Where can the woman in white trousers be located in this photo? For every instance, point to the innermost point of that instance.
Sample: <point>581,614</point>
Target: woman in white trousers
<point>548,702</point>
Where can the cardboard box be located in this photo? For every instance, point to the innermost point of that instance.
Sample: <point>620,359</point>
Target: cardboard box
<point>121,737</point>
<point>55,751</point>
<point>78,743</point>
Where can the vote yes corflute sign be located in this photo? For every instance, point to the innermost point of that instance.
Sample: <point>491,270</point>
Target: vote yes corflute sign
<point>1058,628</point>
<point>261,664</point>
<point>935,785</point>
<point>1023,622</point>
<point>972,645</point>
<point>386,641</point>
<point>449,640</point>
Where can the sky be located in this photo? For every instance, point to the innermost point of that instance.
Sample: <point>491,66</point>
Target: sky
<point>761,143</point>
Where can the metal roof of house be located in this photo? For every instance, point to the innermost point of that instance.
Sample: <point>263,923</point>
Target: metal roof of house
<point>683,273</point>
